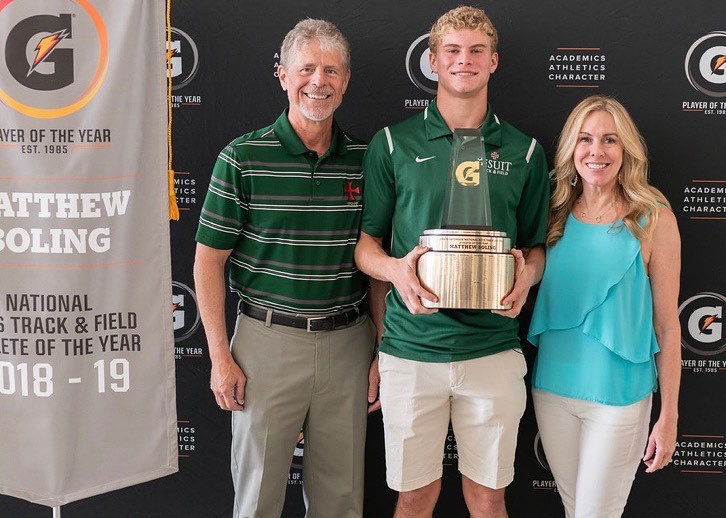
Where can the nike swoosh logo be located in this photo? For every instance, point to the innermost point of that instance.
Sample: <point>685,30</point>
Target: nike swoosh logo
<point>419,159</point>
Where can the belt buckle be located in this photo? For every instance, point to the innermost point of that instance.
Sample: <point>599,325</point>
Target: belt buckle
<point>310,321</point>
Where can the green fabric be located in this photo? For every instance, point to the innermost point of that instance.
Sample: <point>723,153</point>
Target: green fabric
<point>291,219</point>
<point>404,195</point>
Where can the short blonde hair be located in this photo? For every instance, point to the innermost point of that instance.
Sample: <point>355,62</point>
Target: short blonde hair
<point>461,18</point>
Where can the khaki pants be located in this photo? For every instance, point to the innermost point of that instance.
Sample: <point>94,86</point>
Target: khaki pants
<point>484,398</point>
<point>297,380</point>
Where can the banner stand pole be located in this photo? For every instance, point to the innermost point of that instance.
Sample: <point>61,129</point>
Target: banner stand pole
<point>56,512</point>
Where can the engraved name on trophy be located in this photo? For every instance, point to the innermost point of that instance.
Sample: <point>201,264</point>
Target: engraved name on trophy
<point>469,265</point>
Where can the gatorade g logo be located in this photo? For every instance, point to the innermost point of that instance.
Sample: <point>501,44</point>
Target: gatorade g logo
<point>47,52</point>
<point>702,324</point>
<point>53,63</point>
<point>706,64</point>
<point>183,58</point>
<point>185,314</point>
<point>467,173</point>
<point>418,66</point>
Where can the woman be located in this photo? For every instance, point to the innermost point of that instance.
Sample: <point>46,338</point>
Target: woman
<point>606,319</point>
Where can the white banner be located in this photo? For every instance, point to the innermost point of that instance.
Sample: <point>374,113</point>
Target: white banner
<point>87,383</point>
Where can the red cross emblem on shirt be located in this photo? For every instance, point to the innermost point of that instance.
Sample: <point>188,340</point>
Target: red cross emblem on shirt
<point>350,191</point>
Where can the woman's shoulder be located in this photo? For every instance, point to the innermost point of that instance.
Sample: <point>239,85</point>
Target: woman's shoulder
<point>666,228</point>
<point>665,241</point>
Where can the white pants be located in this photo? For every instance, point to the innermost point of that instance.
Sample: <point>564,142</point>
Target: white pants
<point>593,450</point>
<point>484,398</point>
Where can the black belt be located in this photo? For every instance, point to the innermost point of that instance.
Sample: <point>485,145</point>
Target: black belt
<point>311,324</point>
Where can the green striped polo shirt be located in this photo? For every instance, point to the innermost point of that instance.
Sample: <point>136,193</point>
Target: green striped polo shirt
<point>406,169</point>
<point>291,219</point>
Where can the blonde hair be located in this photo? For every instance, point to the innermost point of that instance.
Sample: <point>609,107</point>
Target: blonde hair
<point>641,199</point>
<point>461,18</point>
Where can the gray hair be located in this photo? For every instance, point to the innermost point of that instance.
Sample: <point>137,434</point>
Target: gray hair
<point>326,33</point>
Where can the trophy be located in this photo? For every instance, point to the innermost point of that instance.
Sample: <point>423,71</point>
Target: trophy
<point>469,265</point>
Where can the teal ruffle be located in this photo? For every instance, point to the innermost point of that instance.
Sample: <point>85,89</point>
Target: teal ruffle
<point>595,280</point>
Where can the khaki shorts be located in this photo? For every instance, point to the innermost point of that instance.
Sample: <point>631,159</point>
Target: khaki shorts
<point>484,399</point>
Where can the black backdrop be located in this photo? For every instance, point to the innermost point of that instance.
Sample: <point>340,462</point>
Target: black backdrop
<point>552,53</point>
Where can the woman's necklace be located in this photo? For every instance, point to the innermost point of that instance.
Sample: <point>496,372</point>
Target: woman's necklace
<point>585,210</point>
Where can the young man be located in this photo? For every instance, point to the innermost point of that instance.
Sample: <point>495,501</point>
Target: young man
<point>282,208</point>
<point>458,365</point>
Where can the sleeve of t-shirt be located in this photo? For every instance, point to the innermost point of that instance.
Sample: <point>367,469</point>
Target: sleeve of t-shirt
<point>379,191</point>
<point>533,207</point>
<point>222,217</point>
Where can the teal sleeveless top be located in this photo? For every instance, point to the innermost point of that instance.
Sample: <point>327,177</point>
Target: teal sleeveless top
<point>593,319</point>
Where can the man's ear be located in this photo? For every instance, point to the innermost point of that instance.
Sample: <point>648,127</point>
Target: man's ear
<point>282,75</point>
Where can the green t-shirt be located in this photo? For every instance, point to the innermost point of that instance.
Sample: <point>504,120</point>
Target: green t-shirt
<point>291,219</point>
<point>406,168</point>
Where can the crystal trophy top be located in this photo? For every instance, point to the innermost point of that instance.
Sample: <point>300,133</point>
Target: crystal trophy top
<point>467,204</point>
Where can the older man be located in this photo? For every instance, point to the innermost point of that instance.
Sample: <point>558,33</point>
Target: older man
<point>284,208</point>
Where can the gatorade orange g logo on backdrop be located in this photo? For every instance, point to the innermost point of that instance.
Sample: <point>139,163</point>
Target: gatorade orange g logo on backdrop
<point>418,67</point>
<point>186,316</point>
<point>44,75</point>
<point>183,58</point>
<point>702,324</point>
<point>706,64</point>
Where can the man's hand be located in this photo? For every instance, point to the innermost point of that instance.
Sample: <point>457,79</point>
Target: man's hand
<point>228,383</point>
<point>405,279</point>
<point>374,261</point>
<point>522,283</point>
<point>374,381</point>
